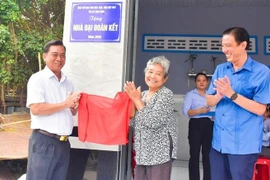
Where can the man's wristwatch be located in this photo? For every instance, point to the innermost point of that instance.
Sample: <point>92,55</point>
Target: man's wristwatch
<point>234,96</point>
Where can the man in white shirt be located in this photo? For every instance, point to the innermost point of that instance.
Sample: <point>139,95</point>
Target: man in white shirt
<point>52,104</point>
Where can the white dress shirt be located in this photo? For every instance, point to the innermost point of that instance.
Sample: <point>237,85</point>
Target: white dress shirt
<point>44,86</point>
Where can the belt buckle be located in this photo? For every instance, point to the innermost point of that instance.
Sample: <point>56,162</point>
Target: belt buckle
<point>63,138</point>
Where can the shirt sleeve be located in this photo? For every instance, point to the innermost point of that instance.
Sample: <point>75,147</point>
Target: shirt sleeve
<point>261,93</point>
<point>187,103</point>
<point>35,92</point>
<point>211,90</point>
<point>157,115</point>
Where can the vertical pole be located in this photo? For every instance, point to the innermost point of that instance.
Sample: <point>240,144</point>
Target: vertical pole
<point>39,62</point>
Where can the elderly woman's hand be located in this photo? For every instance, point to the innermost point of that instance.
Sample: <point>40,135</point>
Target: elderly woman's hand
<point>133,92</point>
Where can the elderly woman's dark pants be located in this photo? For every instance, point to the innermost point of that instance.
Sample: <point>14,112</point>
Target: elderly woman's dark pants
<point>48,158</point>
<point>200,139</point>
<point>155,172</point>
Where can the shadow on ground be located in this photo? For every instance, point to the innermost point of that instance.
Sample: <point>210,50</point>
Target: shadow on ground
<point>12,169</point>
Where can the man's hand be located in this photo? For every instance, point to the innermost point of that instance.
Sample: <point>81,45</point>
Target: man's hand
<point>72,100</point>
<point>223,87</point>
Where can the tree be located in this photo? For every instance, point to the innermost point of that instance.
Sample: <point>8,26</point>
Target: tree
<point>25,27</point>
<point>8,47</point>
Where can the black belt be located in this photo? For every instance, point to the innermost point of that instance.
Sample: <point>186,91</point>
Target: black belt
<point>60,138</point>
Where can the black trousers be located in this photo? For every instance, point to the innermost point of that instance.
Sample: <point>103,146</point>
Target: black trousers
<point>200,138</point>
<point>48,158</point>
<point>106,165</point>
<point>265,152</point>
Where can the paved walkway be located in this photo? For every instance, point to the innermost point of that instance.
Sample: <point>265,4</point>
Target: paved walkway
<point>15,136</point>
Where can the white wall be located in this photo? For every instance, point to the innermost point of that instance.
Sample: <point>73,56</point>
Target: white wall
<point>94,67</point>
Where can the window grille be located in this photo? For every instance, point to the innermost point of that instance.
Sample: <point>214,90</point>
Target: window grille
<point>267,45</point>
<point>188,43</point>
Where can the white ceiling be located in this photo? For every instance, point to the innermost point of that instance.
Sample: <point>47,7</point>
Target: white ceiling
<point>206,3</point>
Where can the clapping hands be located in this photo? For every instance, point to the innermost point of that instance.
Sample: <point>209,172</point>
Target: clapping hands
<point>133,92</point>
<point>223,87</point>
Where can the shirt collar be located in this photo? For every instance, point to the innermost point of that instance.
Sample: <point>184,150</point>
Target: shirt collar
<point>195,90</point>
<point>50,74</point>
<point>247,65</point>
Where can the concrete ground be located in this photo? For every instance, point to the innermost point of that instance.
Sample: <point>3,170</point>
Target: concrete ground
<point>179,171</point>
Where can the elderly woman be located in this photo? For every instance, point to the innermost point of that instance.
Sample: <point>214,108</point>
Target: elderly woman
<point>154,123</point>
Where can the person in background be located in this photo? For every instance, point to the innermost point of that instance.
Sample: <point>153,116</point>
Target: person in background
<point>240,90</point>
<point>154,123</point>
<point>200,128</point>
<point>266,128</point>
<point>266,134</point>
<point>52,104</point>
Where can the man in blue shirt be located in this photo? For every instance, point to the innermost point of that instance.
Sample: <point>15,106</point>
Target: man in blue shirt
<point>240,89</point>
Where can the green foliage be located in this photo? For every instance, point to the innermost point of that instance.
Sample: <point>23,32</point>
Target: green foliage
<point>4,36</point>
<point>9,11</point>
<point>25,26</point>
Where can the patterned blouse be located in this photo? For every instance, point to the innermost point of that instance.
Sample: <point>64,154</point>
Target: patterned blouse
<point>155,129</point>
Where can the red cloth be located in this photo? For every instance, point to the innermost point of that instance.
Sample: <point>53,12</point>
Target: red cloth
<point>104,120</point>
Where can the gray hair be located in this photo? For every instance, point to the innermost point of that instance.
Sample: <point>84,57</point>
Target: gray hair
<point>163,61</point>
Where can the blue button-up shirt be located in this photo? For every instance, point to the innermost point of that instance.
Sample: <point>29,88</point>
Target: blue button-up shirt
<point>236,130</point>
<point>193,100</point>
